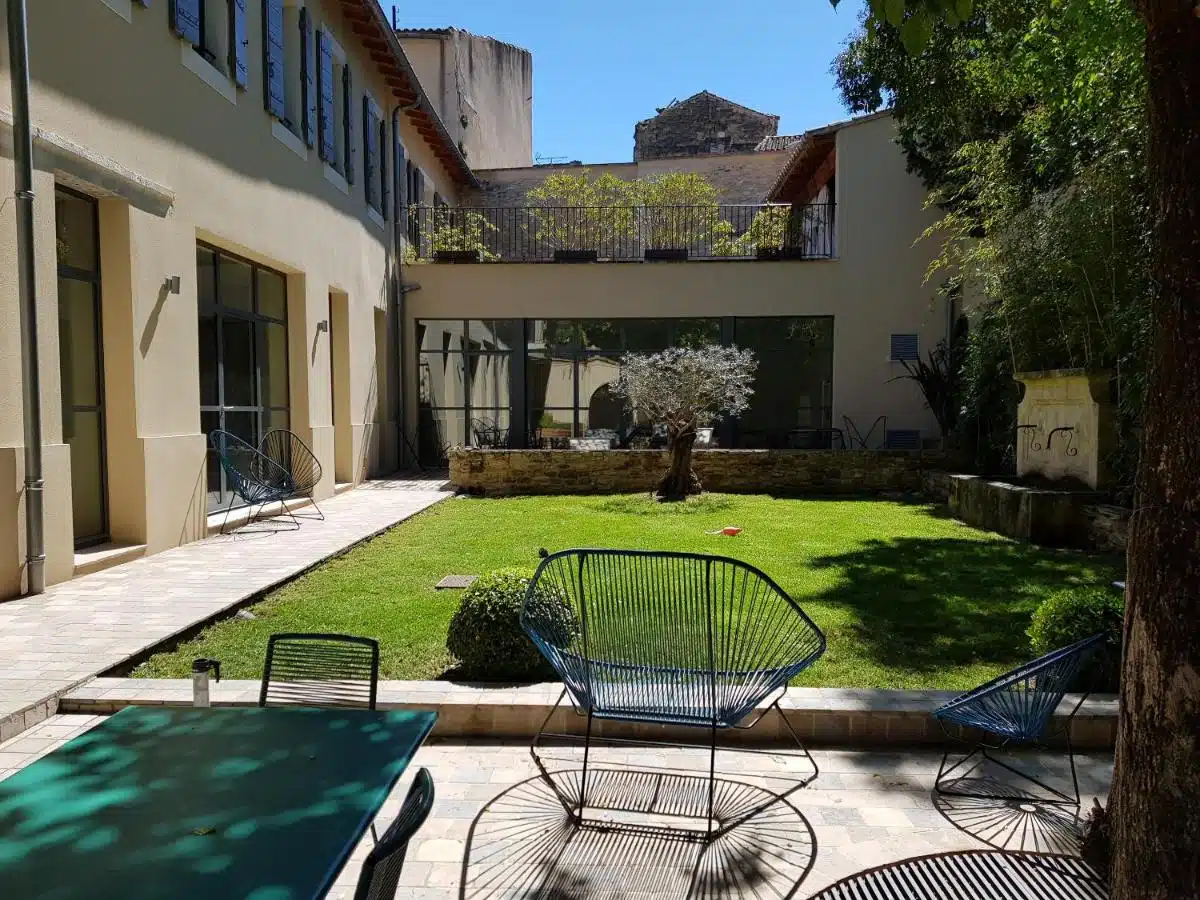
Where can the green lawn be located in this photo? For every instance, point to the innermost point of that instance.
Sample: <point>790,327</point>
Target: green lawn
<point>906,597</point>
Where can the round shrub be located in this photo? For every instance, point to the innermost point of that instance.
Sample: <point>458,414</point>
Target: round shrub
<point>486,636</point>
<point>1073,614</point>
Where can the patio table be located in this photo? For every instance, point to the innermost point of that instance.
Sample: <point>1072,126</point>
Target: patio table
<point>157,802</point>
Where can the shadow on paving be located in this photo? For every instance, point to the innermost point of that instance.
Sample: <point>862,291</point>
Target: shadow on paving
<point>974,875</point>
<point>925,604</point>
<point>524,844</point>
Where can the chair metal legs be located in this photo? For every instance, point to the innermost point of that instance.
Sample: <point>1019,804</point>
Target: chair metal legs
<point>1060,799</point>
<point>575,807</point>
<point>252,516</point>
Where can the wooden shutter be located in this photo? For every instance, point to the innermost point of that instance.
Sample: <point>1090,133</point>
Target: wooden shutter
<point>239,43</point>
<point>348,121</point>
<point>308,94</point>
<point>274,70</point>
<point>185,19</point>
<point>381,146</point>
<point>370,152</point>
<point>326,136</point>
<point>400,168</point>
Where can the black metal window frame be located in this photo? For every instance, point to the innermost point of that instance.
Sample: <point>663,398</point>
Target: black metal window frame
<point>221,312</point>
<point>470,351</point>
<point>93,277</point>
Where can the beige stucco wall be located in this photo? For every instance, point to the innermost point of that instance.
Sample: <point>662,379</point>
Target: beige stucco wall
<point>873,289</point>
<point>738,177</point>
<point>489,82</point>
<point>120,116</point>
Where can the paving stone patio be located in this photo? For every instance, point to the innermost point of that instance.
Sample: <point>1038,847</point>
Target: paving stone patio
<point>80,628</point>
<point>498,831</point>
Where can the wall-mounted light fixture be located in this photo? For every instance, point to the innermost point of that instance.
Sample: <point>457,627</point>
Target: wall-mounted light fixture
<point>323,325</point>
<point>174,284</point>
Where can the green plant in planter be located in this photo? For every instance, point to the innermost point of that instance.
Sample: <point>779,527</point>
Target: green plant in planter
<point>1072,614</point>
<point>486,636</point>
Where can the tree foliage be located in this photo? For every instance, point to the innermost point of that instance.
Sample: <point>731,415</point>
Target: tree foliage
<point>685,389</point>
<point>1026,120</point>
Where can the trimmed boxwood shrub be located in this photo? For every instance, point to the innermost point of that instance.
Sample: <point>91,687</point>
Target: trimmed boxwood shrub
<point>1073,614</point>
<point>486,636</point>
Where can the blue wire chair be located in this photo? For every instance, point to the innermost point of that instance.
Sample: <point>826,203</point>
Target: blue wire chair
<point>1016,708</point>
<point>287,450</point>
<point>670,638</point>
<point>381,870</point>
<point>252,476</point>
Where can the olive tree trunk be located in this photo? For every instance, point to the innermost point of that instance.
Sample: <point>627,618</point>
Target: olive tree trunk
<point>680,481</point>
<point>1155,803</point>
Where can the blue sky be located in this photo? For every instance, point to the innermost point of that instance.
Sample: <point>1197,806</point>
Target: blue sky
<point>600,68</point>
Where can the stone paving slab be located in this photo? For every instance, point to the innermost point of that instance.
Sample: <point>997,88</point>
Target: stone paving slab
<point>80,628</point>
<point>840,717</point>
<point>497,824</point>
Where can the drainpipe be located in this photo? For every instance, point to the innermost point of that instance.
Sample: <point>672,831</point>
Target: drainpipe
<point>18,54</point>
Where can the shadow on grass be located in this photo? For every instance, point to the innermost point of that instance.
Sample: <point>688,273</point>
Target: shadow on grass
<point>924,604</point>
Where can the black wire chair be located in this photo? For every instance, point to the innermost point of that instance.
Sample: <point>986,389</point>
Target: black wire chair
<point>253,477</point>
<point>381,869</point>
<point>669,638</point>
<point>1016,708</point>
<point>285,448</point>
<point>320,670</point>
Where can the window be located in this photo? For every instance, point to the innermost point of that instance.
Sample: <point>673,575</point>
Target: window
<point>243,353</point>
<point>793,387</point>
<point>218,31</point>
<point>905,347</point>
<point>415,182</point>
<point>374,164</point>
<point>286,63</point>
<point>334,121</point>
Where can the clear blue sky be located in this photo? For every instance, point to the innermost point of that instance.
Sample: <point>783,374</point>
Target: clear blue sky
<point>598,68</point>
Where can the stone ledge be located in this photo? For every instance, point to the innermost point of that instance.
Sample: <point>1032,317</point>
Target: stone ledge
<point>839,717</point>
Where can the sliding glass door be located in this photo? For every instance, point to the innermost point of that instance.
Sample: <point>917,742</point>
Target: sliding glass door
<point>243,353</point>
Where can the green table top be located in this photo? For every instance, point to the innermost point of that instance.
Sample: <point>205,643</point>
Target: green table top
<point>212,804</point>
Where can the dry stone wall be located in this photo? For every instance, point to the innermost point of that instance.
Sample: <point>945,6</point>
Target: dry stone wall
<point>498,473</point>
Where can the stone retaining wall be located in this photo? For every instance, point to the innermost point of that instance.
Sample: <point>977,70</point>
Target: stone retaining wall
<point>497,473</point>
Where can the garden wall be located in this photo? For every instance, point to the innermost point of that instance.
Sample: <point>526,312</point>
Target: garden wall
<point>497,473</point>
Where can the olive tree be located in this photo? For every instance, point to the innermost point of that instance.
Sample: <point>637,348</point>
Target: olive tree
<point>686,389</point>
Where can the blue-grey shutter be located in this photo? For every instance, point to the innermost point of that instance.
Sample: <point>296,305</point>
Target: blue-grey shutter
<point>903,439</point>
<point>381,149</point>
<point>401,179</point>
<point>239,43</point>
<point>326,137</point>
<point>348,121</point>
<point>185,19</point>
<point>308,95</point>
<point>370,151</point>
<point>274,70</point>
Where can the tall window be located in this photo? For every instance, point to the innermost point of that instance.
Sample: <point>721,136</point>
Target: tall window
<point>81,361</point>
<point>243,353</point>
<point>218,31</point>
<point>465,388</point>
<point>793,388</point>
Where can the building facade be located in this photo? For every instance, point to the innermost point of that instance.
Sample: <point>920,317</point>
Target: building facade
<point>240,210</point>
<point>483,90</point>
<point>215,190</point>
<point>703,123</point>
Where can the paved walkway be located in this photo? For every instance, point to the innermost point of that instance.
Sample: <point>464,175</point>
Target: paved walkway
<point>498,831</point>
<point>82,627</point>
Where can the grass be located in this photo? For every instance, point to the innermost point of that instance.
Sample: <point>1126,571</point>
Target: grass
<point>907,597</point>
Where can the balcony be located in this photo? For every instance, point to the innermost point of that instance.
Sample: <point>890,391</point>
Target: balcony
<point>443,234</point>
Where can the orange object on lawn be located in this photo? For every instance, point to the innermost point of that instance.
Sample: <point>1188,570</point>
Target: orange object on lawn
<point>729,530</point>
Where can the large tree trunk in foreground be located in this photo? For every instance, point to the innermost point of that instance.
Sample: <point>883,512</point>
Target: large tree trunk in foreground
<point>1155,804</point>
<point>680,481</point>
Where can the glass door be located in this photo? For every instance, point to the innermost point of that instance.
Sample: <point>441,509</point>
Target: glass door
<point>81,364</point>
<point>243,354</point>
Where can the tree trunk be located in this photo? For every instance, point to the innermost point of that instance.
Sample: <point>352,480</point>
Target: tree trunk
<point>1155,806</point>
<point>680,481</point>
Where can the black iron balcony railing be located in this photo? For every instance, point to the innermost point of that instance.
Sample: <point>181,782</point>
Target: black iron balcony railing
<point>619,233</point>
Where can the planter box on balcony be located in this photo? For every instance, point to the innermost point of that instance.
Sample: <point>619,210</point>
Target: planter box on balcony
<point>776,253</point>
<point>667,254</point>
<point>456,256</point>
<point>575,256</point>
